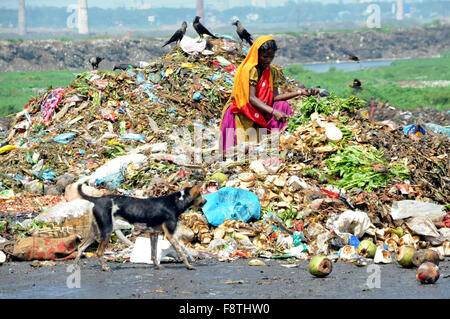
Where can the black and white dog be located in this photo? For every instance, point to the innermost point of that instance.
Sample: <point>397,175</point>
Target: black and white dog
<point>156,214</point>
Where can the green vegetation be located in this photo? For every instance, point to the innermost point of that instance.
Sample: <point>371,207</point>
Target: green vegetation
<point>364,169</point>
<point>17,88</point>
<point>325,106</point>
<point>383,83</point>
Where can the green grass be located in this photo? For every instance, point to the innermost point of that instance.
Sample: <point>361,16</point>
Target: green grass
<point>382,82</point>
<point>16,88</point>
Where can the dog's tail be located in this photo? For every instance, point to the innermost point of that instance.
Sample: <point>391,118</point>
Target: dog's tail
<point>84,195</point>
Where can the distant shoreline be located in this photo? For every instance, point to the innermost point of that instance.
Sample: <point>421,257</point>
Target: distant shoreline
<point>322,48</point>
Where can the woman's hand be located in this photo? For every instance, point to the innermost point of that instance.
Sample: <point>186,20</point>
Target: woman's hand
<point>279,116</point>
<point>303,92</point>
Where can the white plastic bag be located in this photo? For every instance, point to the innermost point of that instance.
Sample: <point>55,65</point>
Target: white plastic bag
<point>63,210</point>
<point>413,208</point>
<point>351,223</point>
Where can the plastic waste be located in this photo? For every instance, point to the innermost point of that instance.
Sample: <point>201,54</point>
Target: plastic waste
<point>141,253</point>
<point>7,148</point>
<point>112,181</point>
<point>414,129</point>
<point>140,77</point>
<point>413,208</point>
<point>65,210</point>
<point>354,241</point>
<point>133,137</point>
<point>115,166</point>
<point>64,138</point>
<point>299,238</point>
<point>198,96</point>
<point>7,194</point>
<point>48,175</point>
<point>299,251</point>
<point>231,203</point>
<point>439,129</point>
<point>351,223</point>
<point>425,227</point>
<point>194,46</point>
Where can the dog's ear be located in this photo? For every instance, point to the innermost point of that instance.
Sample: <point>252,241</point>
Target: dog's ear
<point>196,190</point>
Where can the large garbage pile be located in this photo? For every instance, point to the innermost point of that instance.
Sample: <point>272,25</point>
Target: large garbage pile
<point>336,177</point>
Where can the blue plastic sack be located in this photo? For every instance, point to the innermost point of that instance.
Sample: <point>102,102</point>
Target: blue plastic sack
<point>231,203</point>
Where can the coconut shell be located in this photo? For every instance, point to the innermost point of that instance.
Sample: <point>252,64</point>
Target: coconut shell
<point>320,266</point>
<point>422,256</point>
<point>367,248</point>
<point>405,255</point>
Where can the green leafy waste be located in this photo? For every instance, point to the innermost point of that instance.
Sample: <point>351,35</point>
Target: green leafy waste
<point>362,169</point>
<point>329,105</point>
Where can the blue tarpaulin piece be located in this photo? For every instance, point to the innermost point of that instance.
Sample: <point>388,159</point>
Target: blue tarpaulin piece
<point>231,203</point>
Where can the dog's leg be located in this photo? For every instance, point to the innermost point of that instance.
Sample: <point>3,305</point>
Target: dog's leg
<point>100,251</point>
<point>177,247</point>
<point>84,245</point>
<point>154,247</point>
<point>93,233</point>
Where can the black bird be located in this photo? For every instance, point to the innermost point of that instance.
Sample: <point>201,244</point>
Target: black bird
<point>123,66</point>
<point>178,35</point>
<point>95,61</point>
<point>353,58</point>
<point>201,30</point>
<point>242,32</point>
<point>356,84</point>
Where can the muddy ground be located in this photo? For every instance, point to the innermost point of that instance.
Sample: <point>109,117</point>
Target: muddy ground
<point>217,280</point>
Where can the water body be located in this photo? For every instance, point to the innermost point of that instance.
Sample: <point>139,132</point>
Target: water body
<point>346,66</point>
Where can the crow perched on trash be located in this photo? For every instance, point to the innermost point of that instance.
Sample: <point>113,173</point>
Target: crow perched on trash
<point>201,30</point>
<point>242,32</point>
<point>95,61</point>
<point>178,35</point>
<point>356,84</point>
<point>123,66</point>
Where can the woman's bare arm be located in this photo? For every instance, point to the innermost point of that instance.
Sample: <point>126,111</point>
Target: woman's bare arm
<point>287,96</point>
<point>262,107</point>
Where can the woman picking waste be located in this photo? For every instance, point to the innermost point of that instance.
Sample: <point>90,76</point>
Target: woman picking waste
<point>255,102</point>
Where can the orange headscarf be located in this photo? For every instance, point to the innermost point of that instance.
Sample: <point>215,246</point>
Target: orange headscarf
<point>241,86</point>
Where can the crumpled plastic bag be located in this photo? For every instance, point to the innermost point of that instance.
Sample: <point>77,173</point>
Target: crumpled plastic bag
<point>65,210</point>
<point>193,46</point>
<point>231,203</point>
<point>351,223</point>
<point>425,227</point>
<point>413,208</point>
<point>111,170</point>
